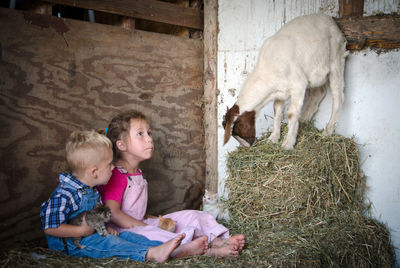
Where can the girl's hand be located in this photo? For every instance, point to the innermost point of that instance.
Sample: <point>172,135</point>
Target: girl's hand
<point>120,218</point>
<point>112,231</point>
<point>85,229</point>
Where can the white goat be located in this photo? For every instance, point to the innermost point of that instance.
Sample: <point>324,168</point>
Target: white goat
<point>298,62</point>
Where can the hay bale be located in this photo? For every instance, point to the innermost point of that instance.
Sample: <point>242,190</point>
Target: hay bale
<point>305,207</point>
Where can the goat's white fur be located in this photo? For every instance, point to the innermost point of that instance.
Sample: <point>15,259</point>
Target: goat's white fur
<point>307,53</point>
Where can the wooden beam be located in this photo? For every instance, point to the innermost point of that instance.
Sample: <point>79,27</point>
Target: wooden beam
<point>143,9</point>
<point>351,8</point>
<point>210,94</point>
<point>380,32</point>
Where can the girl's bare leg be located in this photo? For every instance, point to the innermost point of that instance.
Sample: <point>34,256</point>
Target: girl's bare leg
<point>162,252</point>
<point>195,247</point>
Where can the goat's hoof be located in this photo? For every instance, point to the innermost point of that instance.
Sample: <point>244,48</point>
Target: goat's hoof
<point>287,146</point>
<point>329,130</point>
<point>273,139</point>
<point>326,133</point>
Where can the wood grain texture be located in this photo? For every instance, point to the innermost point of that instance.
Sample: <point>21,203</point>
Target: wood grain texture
<point>210,93</point>
<point>151,10</point>
<point>59,75</point>
<point>376,32</point>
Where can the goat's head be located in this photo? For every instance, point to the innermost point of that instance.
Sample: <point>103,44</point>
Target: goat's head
<point>240,126</point>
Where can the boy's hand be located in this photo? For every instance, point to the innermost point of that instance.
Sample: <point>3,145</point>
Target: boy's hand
<point>85,228</point>
<point>112,231</point>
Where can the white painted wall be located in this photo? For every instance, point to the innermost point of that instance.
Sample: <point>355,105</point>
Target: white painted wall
<point>372,93</point>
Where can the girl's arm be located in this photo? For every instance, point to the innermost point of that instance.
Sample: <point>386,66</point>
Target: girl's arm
<point>120,218</point>
<point>68,230</point>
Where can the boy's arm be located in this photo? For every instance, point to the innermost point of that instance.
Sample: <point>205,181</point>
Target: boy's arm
<point>120,218</point>
<point>68,230</point>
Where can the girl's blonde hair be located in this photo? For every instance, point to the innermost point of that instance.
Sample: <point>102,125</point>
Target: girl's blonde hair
<point>85,148</point>
<point>120,125</point>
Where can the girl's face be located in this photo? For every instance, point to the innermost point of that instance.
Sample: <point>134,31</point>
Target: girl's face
<point>138,142</point>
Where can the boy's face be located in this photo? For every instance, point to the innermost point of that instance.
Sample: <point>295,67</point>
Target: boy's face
<point>139,142</point>
<point>105,167</point>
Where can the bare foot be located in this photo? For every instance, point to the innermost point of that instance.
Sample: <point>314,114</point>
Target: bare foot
<point>162,252</point>
<point>195,247</point>
<point>226,250</point>
<point>237,240</point>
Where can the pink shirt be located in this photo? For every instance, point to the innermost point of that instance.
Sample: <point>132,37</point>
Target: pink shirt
<point>115,188</point>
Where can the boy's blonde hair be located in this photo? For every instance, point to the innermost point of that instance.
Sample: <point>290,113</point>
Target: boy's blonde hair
<point>85,148</point>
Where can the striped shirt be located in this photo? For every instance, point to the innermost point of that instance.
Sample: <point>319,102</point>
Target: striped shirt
<point>64,201</point>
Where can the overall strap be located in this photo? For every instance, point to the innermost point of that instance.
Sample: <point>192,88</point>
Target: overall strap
<point>122,170</point>
<point>65,245</point>
<point>125,172</point>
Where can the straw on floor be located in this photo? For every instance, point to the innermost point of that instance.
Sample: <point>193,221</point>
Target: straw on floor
<point>300,208</point>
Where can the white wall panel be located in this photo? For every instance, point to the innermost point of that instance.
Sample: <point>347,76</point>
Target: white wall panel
<point>372,93</point>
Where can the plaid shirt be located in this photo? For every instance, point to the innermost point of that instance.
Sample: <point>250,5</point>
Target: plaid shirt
<point>64,201</point>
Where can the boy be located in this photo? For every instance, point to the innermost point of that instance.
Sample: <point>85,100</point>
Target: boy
<point>89,156</point>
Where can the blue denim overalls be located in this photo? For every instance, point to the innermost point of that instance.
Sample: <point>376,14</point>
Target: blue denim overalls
<point>126,245</point>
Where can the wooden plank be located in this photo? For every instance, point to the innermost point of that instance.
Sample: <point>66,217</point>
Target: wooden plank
<point>351,8</point>
<point>210,95</point>
<point>151,10</point>
<point>58,75</point>
<point>378,32</point>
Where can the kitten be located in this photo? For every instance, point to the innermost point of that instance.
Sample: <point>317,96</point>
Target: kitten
<point>166,224</point>
<point>212,205</point>
<point>95,218</point>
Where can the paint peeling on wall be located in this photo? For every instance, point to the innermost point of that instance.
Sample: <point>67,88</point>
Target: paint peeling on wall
<point>232,91</point>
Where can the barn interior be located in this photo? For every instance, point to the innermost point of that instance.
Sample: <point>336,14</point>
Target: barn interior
<point>67,65</point>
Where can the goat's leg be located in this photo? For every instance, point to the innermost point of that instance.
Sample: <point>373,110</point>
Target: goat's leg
<point>296,103</point>
<point>336,82</point>
<point>312,101</point>
<point>278,115</point>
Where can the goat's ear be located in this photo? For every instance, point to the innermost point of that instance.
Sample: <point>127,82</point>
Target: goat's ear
<point>228,131</point>
<point>229,118</point>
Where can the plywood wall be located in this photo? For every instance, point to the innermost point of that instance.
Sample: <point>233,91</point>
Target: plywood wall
<point>59,75</point>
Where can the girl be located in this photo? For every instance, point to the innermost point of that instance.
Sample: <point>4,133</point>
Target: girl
<point>126,192</point>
